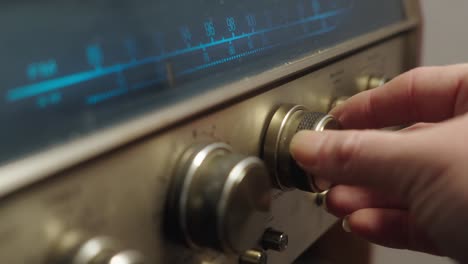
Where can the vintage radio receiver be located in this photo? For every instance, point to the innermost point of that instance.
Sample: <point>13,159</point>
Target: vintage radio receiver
<point>158,131</point>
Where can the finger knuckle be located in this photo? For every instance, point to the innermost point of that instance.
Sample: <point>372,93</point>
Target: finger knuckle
<point>323,151</point>
<point>412,93</point>
<point>418,71</point>
<point>348,152</point>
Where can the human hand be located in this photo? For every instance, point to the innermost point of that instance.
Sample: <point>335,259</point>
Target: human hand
<point>406,189</point>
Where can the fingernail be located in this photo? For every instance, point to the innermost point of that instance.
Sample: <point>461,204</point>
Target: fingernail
<point>345,225</point>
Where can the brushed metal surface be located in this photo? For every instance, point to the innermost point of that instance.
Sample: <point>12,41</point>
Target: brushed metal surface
<point>122,194</point>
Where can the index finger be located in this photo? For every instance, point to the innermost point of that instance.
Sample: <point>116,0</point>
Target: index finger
<point>430,94</point>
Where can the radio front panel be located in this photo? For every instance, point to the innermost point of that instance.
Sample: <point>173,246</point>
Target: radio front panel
<point>123,194</point>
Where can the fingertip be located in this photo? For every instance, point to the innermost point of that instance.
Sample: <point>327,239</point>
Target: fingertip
<point>365,221</point>
<point>337,201</point>
<point>298,140</point>
<point>343,200</point>
<point>338,110</point>
<point>352,113</point>
<point>303,148</point>
<point>382,226</point>
<point>390,228</point>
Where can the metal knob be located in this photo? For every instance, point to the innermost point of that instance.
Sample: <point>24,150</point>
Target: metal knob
<point>127,257</point>
<point>74,248</point>
<point>285,123</point>
<point>220,199</point>
<point>253,256</point>
<point>338,101</point>
<point>369,82</point>
<point>103,250</point>
<point>275,240</point>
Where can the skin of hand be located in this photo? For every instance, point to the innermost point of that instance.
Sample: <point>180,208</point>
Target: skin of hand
<point>406,189</point>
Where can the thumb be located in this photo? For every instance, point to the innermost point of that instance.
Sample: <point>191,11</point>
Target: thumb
<point>394,162</point>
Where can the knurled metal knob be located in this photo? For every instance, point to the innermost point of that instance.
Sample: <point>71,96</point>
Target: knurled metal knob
<point>285,123</point>
<point>219,199</point>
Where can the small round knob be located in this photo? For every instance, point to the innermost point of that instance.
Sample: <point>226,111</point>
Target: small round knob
<point>253,256</point>
<point>338,101</point>
<point>75,248</point>
<point>127,257</point>
<point>369,82</point>
<point>220,199</point>
<point>103,250</point>
<point>286,122</point>
<point>275,240</point>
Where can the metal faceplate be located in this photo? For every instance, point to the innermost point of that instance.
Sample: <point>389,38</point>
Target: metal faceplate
<point>122,194</point>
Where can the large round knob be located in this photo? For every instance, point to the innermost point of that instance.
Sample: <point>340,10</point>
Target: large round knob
<point>285,123</point>
<point>219,199</point>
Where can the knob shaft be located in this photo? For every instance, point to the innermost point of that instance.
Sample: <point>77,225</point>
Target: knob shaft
<point>285,123</point>
<point>220,199</point>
